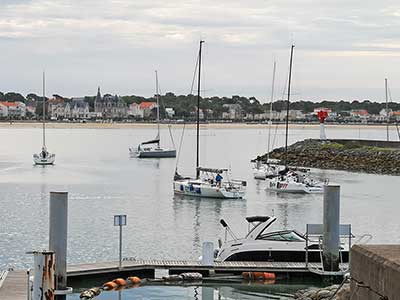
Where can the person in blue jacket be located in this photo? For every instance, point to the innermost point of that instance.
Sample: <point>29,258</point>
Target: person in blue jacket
<point>218,179</point>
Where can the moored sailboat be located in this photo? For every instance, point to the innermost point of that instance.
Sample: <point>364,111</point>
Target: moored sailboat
<point>147,149</point>
<point>205,184</point>
<point>290,181</point>
<point>44,157</point>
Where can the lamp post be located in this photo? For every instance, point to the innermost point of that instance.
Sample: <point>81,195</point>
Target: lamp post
<point>120,220</point>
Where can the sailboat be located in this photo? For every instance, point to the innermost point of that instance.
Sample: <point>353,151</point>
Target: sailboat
<point>209,182</point>
<point>291,180</point>
<point>145,149</point>
<point>44,157</point>
<point>270,169</point>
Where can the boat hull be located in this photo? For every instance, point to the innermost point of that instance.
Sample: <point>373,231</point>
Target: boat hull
<point>44,161</point>
<point>293,188</point>
<point>156,154</point>
<point>187,188</point>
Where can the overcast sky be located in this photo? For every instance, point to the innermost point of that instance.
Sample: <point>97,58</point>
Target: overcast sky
<point>344,49</point>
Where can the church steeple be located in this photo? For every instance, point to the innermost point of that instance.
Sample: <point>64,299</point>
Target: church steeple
<point>98,97</point>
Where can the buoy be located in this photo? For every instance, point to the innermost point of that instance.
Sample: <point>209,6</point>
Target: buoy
<point>258,275</point>
<point>110,285</point>
<point>120,281</point>
<point>134,279</point>
<point>269,276</point>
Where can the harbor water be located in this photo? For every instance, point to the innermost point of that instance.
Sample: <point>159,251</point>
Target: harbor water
<point>94,166</point>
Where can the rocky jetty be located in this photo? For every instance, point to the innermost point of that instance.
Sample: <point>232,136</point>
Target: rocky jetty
<point>324,293</point>
<point>341,155</point>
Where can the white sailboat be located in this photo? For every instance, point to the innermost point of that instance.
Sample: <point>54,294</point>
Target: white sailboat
<point>44,157</point>
<point>270,168</point>
<point>209,182</point>
<point>290,181</point>
<point>147,149</point>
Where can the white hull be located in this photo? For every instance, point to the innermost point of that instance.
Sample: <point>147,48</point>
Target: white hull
<point>199,188</point>
<point>290,186</point>
<point>152,152</point>
<point>38,160</point>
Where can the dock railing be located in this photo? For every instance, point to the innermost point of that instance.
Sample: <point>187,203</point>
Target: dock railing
<point>317,231</point>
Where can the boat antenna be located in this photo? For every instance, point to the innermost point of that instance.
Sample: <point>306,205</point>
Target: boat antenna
<point>387,110</point>
<point>198,115</point>
<point>288,104</point>
<point>44,111</point>
<point>270,111</point>
<point>158,111</point>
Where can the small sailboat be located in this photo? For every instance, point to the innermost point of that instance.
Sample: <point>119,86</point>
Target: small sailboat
<point>291,181</point>
<point>44,157</point>
<point>147,149</point>
<point>270,168</point>
<point>209,182</point>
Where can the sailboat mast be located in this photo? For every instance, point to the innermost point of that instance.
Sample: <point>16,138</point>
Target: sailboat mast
<point>387,110</point>
<point>270,111</point>
<point>198,116</point>
<point>44,111</point>
<point>288,104</point>
<point>158,111</point>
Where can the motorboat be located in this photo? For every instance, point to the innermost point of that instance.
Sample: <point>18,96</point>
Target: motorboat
<point>263,244</point>
<point>210,186</point>
<point>152,149</point>
<point>295,182</point>
<point>44,157</point>
<point>208,182</point>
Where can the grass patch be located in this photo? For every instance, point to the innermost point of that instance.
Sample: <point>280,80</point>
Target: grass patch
<point>336,146</point>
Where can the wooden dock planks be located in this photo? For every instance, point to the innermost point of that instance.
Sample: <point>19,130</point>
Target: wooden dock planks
<point>14,286</point>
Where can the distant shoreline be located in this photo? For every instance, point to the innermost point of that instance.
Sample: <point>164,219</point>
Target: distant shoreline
<point>215,125</point>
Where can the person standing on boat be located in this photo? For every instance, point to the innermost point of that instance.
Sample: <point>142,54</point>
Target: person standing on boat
<point>218,179</point>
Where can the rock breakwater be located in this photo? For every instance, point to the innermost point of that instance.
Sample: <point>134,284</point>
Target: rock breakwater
<point>339,155</point>
<point>324,293</point>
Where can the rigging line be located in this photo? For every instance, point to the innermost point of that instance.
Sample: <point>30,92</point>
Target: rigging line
<point>184,124</point>
<point>180,147</point>
<point>170,134</point>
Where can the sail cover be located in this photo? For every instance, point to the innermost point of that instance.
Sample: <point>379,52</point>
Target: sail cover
<point>156,141</point>
<point>212,170</point>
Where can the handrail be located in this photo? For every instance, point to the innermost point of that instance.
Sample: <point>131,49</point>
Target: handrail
<point>366,235</point>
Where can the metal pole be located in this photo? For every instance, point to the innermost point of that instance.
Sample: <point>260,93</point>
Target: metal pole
<point>387,110</point>
<point>58,238</point>
<point>44,110</point>
<point>120,247</point>
<point>198,116</point>
<point>288,105</point>
<point>43,280</point>
<point>29,293</point>
<point>331,217</point>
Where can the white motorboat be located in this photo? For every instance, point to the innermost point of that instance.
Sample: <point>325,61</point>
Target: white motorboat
<point>208,186</point>
<point>44,157</point>
<point>262,244</point>
<point>295,182</point>
<point>146,149</point>
<point>205,184</point>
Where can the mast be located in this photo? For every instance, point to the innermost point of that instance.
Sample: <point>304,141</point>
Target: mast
<point>387,110</point>
<point>158,111</point>
<point>288,104</point>
<point>270,112</point>
<point>198,116</point>
<point>44,112</point>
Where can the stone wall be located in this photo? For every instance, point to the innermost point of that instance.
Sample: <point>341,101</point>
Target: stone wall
<point>375,270</point>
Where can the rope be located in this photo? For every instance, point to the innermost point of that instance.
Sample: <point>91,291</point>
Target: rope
<point>184,124</point>
<point>170,134</point>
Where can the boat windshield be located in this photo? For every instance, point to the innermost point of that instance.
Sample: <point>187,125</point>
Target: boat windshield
<point>288,236</point>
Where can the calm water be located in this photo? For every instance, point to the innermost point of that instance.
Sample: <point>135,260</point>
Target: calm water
<point>93,165</point>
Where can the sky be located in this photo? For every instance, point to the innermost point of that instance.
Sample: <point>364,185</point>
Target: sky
<point>343,49</point>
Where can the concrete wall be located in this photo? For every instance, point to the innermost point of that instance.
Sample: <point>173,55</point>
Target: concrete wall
<point>372,143</point>
<point>378,267</point>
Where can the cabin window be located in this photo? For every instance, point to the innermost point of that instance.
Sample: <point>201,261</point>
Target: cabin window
<point>288,236</point>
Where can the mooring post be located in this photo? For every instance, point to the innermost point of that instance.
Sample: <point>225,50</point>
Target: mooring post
<point>331,226</point>
<point>43,280</point>
<point>58,239</point>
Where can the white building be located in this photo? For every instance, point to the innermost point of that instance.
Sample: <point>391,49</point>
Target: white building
<point>135,111</point>
<point>12,109</point>
<point>79,108</point>
<point>234,112</point>
<point>170,112</point>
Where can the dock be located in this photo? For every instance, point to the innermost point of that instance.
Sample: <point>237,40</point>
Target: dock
<point>14,285</point>
<point>191,266</point>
